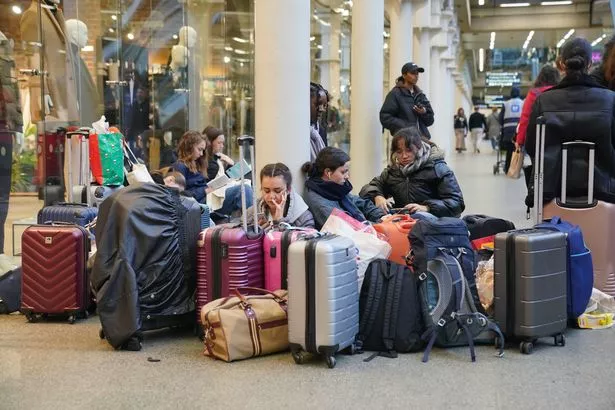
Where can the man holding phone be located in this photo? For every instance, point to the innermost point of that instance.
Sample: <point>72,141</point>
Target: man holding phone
<point>406,105</point>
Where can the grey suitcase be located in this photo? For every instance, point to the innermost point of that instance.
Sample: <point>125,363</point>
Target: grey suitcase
<point>323,297</point>
<point>530,285</point>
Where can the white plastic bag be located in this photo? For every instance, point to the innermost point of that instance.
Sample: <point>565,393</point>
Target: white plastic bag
<point>101,126</point>
<point>139,173</point>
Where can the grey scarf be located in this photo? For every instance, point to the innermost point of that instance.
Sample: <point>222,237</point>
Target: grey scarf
<point>421,157</point>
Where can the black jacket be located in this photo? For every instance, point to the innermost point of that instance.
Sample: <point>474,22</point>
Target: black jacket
<point>460,123</point>
<point>576,109</point>
<point>434,185</point>
<point>598,75</point>
<point>397,113</point>
<point>478,120</point>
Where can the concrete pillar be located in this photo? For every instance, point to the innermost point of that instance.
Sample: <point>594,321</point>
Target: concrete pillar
<point>402,37</point>
<point>280,66</point>
<point>437,95</point>
<point>424,60</point>
<point>366,78</point>
<point>329,61</point>
<point>345,68</point>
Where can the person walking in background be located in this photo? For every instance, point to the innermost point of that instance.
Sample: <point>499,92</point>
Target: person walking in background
<point>494,128</point>
<point>478,124</point>
<point>461,130</point>
<point>509,118</point>
<point>318,105</point>
<point>406,106</point>
<point>547,78</point>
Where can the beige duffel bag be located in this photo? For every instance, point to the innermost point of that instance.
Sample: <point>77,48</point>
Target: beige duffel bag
<point>239,327</point>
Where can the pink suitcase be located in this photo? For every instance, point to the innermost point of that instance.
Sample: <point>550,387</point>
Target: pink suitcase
<point>275,250</point>
<point>229,256</point>
<point>596,219</point>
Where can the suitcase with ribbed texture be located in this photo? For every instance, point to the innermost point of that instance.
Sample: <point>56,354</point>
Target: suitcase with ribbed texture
<point>323,297</point>
<point>54,276</point>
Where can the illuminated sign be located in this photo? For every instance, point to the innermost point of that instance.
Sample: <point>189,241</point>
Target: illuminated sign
<point>502,79</point>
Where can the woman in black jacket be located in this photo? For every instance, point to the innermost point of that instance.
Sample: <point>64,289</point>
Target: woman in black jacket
<point>578,108</point>
<point>418,179</point>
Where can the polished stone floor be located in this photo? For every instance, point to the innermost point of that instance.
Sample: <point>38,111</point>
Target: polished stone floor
<point>53,365</point>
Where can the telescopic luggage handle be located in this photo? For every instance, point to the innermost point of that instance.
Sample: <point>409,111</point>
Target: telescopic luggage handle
<point>539,168</point>
<point>246,141</point>
<point>591,147</point>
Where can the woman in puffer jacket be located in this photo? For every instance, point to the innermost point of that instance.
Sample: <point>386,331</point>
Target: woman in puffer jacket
<point>418,179</point>
<point>328,187</point>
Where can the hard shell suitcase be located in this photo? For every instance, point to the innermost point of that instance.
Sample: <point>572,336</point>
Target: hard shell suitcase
<point>396,230</point>
<point>275,252</point>
<point>323,297</point>
<point>530,284</point>
<point>70,212</point>
<point>54,276</point>
<point>229,256</point>
<point>596,219</point>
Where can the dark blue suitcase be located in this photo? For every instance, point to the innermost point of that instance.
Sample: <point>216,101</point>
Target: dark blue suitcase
<point>79,214</point>
<point>10,291</point>
<point>205,219</point>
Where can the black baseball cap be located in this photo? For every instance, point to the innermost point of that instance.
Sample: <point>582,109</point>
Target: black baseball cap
<point>411,68</point>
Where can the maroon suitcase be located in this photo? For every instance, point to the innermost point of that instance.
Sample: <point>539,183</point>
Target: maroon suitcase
<point>54,279</point>
<point>229,256</point>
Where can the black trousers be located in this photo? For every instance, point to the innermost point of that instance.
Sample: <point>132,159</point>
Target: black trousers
<point>6,164</point>
<point>510,148</point>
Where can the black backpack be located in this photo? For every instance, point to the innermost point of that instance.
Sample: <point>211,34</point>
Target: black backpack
<point>429,237</point>
<point>390,310</point>
<point>448,307</point>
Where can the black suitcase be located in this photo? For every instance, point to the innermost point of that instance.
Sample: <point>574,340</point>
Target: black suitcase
<point>481,226</point>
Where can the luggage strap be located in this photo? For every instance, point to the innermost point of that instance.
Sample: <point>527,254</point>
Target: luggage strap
<point>391,311</point>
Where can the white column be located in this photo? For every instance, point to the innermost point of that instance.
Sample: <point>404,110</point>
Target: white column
<point>366,78</point>
<point>345,67</point>
<point>329,61</point>
<point>436,96</point>
<point>402,37</point>
<point>280,66</point>
<point>424,60</point>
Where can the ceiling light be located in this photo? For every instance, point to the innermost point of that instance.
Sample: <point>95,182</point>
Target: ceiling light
<point>385,46</point>
<point>345,13</point>
<point>312,38</point>
<point>481,60</point>
<point>514,4</point>
<point>385,34</point>
<point>113,17</point>
<point>228,48</point>
<point>227,59</point>
<point>492,41</point>
<point>88,48</point>
<point>111,30</point>
<point>239,51</point>
<point>319,47</point>
<point>349,3</point>
<point>175,37</point>
<point>130,36</point>
<point>240,40</point>
<point>598,40</point>
<point>16,9</point>
<point>240,64</point>
<point>481,2</point>
<point>556,3</point>
<point>568,34</point>
<point>528,39</point>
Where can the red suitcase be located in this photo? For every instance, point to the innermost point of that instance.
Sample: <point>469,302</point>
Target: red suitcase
<point>228,256</point>
<point>54,279</point>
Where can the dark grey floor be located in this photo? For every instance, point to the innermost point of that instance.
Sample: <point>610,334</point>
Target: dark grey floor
<point>61,366</point>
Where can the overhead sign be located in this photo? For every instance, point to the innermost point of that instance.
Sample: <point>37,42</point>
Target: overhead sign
<point>494,100</point>
<point>502,79</point>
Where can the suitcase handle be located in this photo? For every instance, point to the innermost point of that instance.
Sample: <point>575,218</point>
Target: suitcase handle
<point>258,291</point>
<point>71,204</point>
<point>562,200</point>
<point>246,141</point>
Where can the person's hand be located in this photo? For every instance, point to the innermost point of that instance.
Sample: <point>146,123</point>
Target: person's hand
<point>208,190</point>
<point>278,212</point>
<point>518,146</point>
<point>419,109</point>
<point>381,202</point>
<point>416,208</point>
<point>226,159</point>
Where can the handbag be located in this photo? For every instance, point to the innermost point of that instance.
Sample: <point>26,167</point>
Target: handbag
<point>138,173</point>
<point>240,327</point>
<point>516,163</point>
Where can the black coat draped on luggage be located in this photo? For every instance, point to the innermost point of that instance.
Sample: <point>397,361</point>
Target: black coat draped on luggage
<point>146,258</point>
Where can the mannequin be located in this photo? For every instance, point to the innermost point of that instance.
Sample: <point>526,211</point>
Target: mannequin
<point>179,62</point>
<point>87,95</point>
<point>60,96</point>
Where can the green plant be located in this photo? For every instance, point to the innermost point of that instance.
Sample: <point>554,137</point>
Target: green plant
<point>22,171</point>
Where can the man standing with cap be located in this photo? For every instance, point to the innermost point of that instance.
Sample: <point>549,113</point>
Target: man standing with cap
<point>406,105</point>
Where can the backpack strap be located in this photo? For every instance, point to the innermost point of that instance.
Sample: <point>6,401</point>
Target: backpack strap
<point>391,310</point>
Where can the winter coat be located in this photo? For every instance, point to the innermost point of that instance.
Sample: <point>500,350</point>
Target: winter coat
<point>433,185</point>
<point>576,109</point>
<point>494,128</point>
<point>477,120</point>
<point>460,123</point>
<point>297,212</point>
<point>397,113</point>
<point>527,110</point>
<point>322,207</point>
<point>195,181</point>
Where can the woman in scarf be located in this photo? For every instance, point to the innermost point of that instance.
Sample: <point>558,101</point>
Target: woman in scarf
<point>418,179</point>
<point>328,187</point>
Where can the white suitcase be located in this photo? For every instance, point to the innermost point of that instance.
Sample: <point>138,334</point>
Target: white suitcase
<point>323,297</point>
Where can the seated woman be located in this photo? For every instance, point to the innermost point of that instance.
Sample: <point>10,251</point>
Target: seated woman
<point>218,162</point>
<point>418,179</point>
<point>328,187</point>
<point>192,162</point>
<point>279,202</point>
<point>578,108</point>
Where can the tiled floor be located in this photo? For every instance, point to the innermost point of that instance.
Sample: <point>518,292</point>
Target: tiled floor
<point>59,366</point>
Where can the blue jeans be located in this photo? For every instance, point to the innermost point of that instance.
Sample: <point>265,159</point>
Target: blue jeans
<point>232,200</point>
<point>425,216</point>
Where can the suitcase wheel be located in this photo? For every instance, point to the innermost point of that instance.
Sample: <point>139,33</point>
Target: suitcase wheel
<point>299,357</point>
<point>330,362</point>
<point>72,319</point>
<point>559,340</point>
<point>526,347</point>
<point>32,318</point>
<point>101,334</point>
